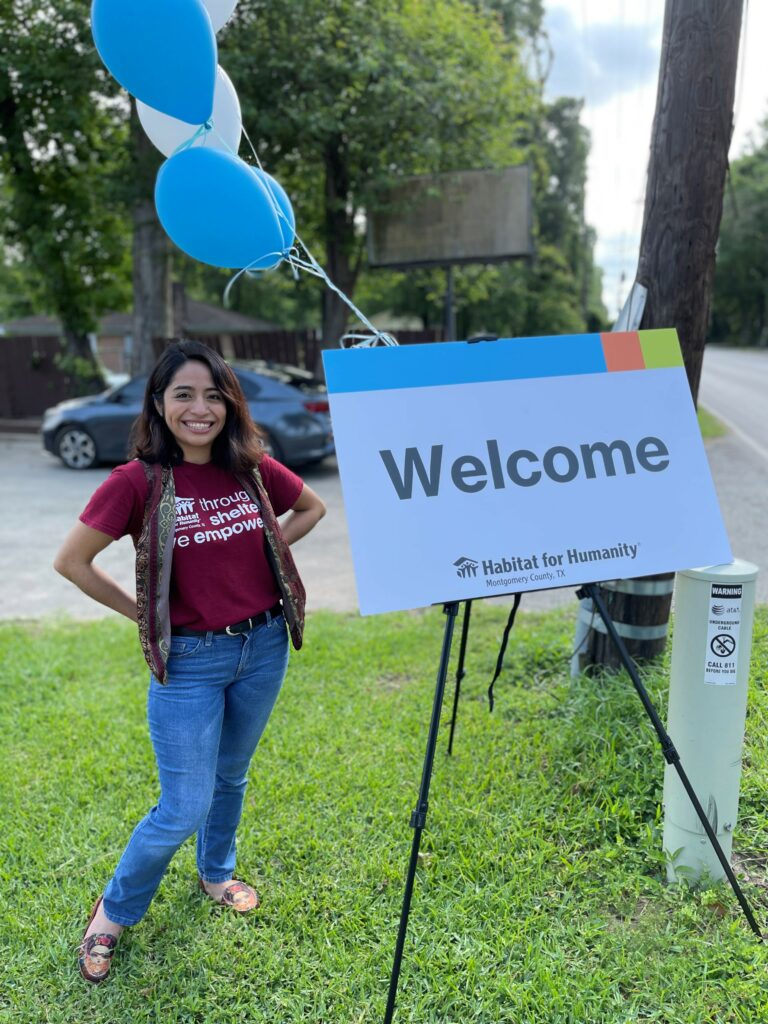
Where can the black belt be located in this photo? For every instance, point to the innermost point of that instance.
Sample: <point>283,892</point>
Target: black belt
<point>238,627</point>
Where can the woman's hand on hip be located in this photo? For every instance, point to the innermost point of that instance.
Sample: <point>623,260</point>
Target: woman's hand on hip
<point>75,562</point>
<point>306,513</point>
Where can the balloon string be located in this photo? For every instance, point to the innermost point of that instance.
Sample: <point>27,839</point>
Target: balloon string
<point>309,265</point>
<point>204,129</point>
<point>292,256</point>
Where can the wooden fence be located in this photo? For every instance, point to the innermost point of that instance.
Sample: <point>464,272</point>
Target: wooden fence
<point>298,348</point>
<point>30,381</point>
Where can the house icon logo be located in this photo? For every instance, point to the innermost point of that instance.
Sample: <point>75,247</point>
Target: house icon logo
<point>185,506</point>
<point>466,568</point>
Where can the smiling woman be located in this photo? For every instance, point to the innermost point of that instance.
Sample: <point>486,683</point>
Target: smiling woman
<point>194,411</point>
<point>216,589</point>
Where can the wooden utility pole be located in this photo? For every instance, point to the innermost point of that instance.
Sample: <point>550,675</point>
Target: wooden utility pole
<point>691,136</point>
<point>690,139</point>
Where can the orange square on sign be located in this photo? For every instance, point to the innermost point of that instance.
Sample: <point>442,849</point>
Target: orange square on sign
<point>622,351</point>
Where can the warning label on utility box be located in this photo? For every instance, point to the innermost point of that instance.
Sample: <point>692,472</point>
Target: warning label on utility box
<point>723,634</point>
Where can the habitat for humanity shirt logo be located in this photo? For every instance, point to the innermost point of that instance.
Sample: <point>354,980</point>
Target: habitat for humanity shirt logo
<point>218,519</point>
<point>185,513</point>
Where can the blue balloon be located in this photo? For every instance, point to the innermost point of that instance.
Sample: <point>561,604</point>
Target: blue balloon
<point>278,193</point>
<point>161,51</point>
<point>218,211</point>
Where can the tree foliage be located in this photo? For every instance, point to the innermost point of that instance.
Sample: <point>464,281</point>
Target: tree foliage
<point>341,98</point>
<point>345,97</point>
<point>62,150</point>
<point>558,291</point>
<point>740,301</point>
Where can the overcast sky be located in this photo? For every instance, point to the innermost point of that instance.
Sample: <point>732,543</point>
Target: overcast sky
<point>607,51</point>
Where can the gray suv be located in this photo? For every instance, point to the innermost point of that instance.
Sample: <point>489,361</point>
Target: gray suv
<point>290,407</point>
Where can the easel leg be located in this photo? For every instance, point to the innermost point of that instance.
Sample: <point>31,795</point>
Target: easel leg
<point>668,748</point>
<point>419,816</point>
<point>460,670</point>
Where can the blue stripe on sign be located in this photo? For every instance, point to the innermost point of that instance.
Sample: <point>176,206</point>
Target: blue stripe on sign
<point>461,362</point>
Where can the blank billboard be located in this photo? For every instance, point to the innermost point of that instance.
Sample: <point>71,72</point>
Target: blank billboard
<point>459,217</point>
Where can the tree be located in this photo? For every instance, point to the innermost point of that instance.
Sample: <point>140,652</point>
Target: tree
<point>354,95</point>
<point>740,300</point>
<point>152,259</point>
<point>62,148</point>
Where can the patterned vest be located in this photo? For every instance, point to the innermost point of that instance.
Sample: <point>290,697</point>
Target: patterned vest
<point>154,552</point>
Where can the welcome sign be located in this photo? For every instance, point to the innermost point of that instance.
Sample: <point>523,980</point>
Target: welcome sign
<point>471,470</point>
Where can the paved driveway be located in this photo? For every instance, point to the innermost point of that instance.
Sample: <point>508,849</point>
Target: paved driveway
<point>40,501</point>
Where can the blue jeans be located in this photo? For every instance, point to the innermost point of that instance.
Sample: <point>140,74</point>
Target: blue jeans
<point>205,724</point>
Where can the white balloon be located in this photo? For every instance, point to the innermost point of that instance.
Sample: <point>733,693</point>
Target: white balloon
<point>220,11</point>
<point>168,133</point>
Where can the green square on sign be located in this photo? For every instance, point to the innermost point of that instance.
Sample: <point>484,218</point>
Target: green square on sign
<point>660,349</point>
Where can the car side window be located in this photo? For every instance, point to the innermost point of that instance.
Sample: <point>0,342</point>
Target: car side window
<point>251,389</point>
<point>132,392</point>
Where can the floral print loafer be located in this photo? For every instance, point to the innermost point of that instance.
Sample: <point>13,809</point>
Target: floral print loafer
<point>237,895</point>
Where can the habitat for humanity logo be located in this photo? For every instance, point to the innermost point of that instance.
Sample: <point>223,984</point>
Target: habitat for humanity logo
<point>466,568</point>
<point>186,516</point>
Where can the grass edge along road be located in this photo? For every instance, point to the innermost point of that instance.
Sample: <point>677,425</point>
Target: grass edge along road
<point>709,425</point>
<point>540,895</point>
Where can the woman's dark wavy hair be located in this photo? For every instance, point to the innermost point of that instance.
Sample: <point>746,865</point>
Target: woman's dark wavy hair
<point>237,448</point>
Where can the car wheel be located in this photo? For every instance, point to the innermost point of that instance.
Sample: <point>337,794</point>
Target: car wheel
<point>76,448</point>
<point>271,447</point>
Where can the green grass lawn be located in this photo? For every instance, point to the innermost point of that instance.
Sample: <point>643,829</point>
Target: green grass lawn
<point>540,896</point>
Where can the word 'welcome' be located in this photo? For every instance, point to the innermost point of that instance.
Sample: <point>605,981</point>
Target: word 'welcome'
<point>470,474</point>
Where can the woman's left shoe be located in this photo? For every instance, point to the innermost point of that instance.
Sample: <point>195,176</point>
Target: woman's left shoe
<point>237,895</point>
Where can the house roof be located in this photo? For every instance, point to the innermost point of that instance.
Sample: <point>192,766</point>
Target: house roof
<point>200,318</point>
<point>37,326</point>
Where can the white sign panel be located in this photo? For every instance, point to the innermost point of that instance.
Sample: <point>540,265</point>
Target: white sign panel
<point>723,629</point>
<point>471,470</point>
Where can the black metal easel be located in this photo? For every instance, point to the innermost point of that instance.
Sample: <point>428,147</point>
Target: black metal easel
<point>671,756</point>
<point>460,673</point>
<point>419,815</point>
<point>460,670</point>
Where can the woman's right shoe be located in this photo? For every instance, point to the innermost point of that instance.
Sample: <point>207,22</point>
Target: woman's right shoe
<point>96,951</point>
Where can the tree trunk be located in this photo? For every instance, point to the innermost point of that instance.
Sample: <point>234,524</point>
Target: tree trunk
<point>683,204</point>
<point>152,295</point>
<point>79,364</point>
<point>152,261</point>
<point>342,259</point>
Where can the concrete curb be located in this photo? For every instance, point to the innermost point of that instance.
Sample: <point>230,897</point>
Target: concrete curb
<point>31,425</point>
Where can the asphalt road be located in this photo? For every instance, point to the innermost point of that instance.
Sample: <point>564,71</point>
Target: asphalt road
<point>40,501</point>
<point>734,387</point>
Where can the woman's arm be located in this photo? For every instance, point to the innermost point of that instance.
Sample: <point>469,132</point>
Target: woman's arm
<point>306,513</point>
<point>75,562</point>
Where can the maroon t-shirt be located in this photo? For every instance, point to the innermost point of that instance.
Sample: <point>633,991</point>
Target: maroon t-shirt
<point>220,573</point>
